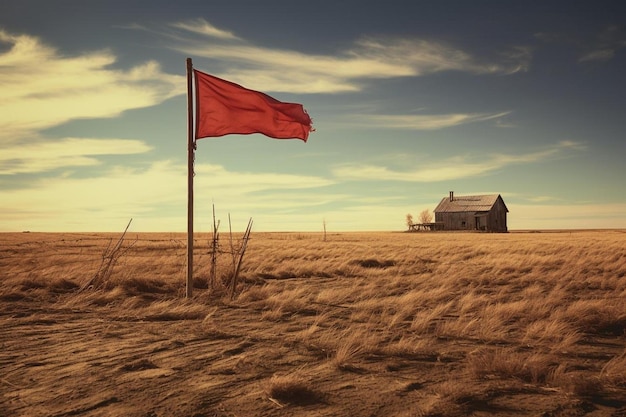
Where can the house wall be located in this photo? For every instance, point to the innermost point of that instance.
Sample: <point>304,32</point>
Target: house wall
<point>497,217</point>
<point>456,220</point>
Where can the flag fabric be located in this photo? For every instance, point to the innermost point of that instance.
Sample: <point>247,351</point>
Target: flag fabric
<point>224,108</point>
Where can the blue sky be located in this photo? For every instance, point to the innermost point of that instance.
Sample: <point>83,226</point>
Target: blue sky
<point>409,99</point>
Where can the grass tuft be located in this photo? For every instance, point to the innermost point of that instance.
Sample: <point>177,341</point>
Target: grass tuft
<point>374,263</point>
<point>292,389</point>
<point>507,363</point>
<point>614,371</point>
<point>139,365</point>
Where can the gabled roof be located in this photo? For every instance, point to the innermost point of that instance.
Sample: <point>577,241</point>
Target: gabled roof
<point>465,203</point>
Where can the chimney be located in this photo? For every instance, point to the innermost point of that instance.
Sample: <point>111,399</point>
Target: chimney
<point>451,196</point>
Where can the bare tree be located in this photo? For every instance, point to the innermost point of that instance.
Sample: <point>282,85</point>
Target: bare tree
<point>409,220</point>
<point>425,217</point>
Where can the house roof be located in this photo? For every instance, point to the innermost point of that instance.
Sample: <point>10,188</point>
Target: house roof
<point>467,203</point>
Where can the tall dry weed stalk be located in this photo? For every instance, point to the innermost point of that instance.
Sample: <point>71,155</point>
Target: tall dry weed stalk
<point>110,257</point>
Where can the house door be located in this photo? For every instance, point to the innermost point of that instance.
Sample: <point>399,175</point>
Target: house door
<point>477,222</point>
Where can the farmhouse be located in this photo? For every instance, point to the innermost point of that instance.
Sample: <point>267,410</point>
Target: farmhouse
<point>472,212</point>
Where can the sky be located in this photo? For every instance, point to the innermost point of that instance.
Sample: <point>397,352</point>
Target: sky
<point>409,99</point>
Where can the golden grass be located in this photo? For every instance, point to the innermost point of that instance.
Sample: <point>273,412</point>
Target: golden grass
<point>526,308</point>
<point>614,371</point>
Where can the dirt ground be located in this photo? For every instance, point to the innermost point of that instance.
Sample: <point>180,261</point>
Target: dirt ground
<point>62,358</point>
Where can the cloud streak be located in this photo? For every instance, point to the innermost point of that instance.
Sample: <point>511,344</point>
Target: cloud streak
<point>155,195</point>
<point>69,152</point>
<point>369,58</point>
<point>202,27</point>
<point>423,122</point>
<point>450,169</point>
<point>606,45</point>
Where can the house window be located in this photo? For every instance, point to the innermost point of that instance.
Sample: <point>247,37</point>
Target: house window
<point>463,224</point>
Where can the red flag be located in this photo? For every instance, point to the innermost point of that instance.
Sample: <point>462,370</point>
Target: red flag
<point>223,108</point>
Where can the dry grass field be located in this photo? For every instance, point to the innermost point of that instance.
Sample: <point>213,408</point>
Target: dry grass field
<point>361,324</point>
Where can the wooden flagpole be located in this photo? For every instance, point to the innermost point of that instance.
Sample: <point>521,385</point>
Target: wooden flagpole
<point>191,147</point>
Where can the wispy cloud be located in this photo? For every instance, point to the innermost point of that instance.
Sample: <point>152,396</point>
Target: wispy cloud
<point>452,168</point>
<point>286,70</point>
<point>42,88</point>
<point>202,27</point>
<point>542,198</point>
<point>421,121</point>
<point>218,178</point>
<point>90,202</point>
<point>607,43</point>
<point>601,48</point>
<point>69,152</point>
<point>155,195</point>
